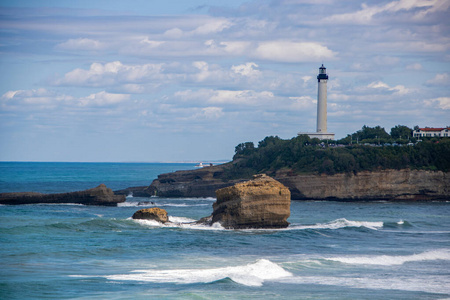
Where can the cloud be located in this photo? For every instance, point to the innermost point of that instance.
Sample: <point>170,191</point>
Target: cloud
<point>81,44</point>
<point>287,51</point>
<point>441,102</point>
<point>211,113</point>
<point>418,8</point>
<point>103,99</point>
<point>442,79</point>
<point>398,89</point>
<point>212,26</point>
<point>112,74</point>
<point>225,97</point>
<point>43,99</point>
<point>20,100</point>
<point>246,70</point>
<point>415,67</point>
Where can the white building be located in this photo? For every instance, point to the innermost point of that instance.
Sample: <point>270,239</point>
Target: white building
<point>431,132</point>
<point>321,129</point>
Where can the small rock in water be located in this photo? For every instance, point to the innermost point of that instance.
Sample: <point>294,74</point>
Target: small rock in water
<point>154,213</point>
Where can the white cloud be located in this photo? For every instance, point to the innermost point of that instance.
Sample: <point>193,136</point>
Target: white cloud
<point>149,44</point>
<point>174,33</point>
<point>212,26</point>
<point>36,98</point>
<point>286,51</point>
<point>303,102</point>
<point>441,102</point>
<point>43,99</point>
<point>112,73</point>
<point>225,97</point>
<point>246,70</point>
<point>415,67</point>
<point>440,79</point>
<point>212,113</point>
<point>398,89</point>
<point>306,79</point>
<point>81,44</point>
<point>103,99</point>
<point>366,14</point>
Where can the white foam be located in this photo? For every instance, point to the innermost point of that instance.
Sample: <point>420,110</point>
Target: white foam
<point>182,204</point>
<point>389,260</point>
<point>340,223</point>
<point>179,222</point>
<point>135,204</point>
<point>253,274</point>
<point>151,203</point>
<point>428,284</point>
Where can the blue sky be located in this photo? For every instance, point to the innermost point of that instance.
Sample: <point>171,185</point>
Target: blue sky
<point>189,80</point>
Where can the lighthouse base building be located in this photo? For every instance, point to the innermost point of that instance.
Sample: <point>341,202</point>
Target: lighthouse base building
<point>321,132</point>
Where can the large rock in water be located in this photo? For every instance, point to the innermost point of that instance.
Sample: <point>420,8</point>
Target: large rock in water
<point>154,213</point>
<point>100,195</point>
<point>259,203</point>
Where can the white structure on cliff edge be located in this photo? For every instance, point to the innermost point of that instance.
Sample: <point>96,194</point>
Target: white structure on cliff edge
<point>321,131</point>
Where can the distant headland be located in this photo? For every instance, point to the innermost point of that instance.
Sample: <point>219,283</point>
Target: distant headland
<point>369,164</point>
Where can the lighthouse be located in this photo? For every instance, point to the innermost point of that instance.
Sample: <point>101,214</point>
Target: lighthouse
<point>321,129</point>
<point>322,79</point>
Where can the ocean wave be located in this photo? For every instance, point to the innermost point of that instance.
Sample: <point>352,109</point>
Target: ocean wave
<point>253,274</point>
<point>188,223</point>
<point>427,284</point>
<point>152,203</point>
<point>179,222</point>
<point>210,199</point>
<point>338,224</point>
<point>391,260</point>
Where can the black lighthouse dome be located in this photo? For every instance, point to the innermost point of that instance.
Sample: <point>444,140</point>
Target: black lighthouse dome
<point>322,73</point>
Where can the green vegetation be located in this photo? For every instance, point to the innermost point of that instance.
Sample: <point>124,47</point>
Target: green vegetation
<point>376,150</point>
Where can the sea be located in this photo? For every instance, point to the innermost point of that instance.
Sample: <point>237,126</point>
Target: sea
<point>331,250</point>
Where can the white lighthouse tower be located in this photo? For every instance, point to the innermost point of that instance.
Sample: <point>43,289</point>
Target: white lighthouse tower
<point>321,131</point>
<point>322,79</point>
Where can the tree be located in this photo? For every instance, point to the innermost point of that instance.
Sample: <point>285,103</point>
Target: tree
<point>371,133</point>
<point>401,131</point>
<point>244,148</point>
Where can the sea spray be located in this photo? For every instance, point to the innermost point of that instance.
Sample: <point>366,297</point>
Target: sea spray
<point>253,274</point>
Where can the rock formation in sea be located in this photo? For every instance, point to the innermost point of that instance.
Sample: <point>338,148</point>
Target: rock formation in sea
<point>154,213</point>
<point>259,203</point>
<point>100,195</point>
<point>390,185</point>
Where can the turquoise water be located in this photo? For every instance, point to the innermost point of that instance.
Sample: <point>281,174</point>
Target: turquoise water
<point>330,251</point>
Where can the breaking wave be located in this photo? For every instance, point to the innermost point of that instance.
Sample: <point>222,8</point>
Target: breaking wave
<point>179,222</point>
<point>340,223</point>
<point>152,203</point>
<point>391,260</point>
<point>253,274</point>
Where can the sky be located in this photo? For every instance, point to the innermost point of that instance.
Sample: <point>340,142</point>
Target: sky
<point>188,80</point>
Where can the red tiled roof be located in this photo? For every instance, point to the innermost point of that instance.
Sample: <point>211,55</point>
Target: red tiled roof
<point>432,129</point>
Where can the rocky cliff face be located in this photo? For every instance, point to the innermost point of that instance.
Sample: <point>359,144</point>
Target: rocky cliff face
<point>259,203</point>
<point>406,185</point>
<point>192,183</point>
<point>397,185</point>
<point>100,195</point>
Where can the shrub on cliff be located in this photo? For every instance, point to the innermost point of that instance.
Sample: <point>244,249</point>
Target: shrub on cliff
<point>304,155</point>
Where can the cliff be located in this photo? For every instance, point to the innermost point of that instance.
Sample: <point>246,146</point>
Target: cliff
<point>396,185</point>
<point>100,195</point>
<point>191,183</point>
